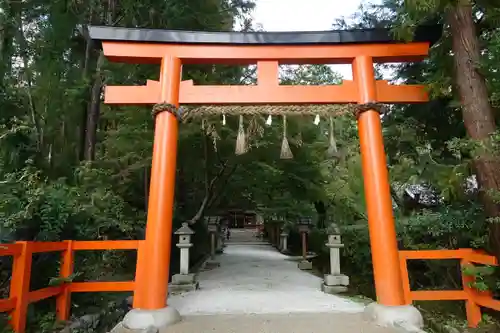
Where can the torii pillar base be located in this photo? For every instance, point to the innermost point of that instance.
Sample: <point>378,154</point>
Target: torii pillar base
<point>405,317</point>
<point>147,321</point>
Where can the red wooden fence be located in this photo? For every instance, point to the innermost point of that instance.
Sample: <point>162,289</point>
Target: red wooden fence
<point>20,295</point>
<point>473,298</point>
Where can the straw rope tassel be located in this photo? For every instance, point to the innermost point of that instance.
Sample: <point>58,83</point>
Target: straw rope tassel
<point>332,148</point>
<point>241,145</point>
<point>316,120</point>
<point>286,152</point>
<point>269,120</point>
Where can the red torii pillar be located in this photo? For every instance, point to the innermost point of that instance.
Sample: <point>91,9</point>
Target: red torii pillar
<point>383,241</point>
<point>161,192</point>
<point>153,262</point>
<point>153,46</point>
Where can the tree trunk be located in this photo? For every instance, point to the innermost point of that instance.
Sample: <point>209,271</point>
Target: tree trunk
<point>94,110</point>
<point>209,192</point>
<point>321,211</point>
<point>93,113</point>
<point>28,76</point>
<point>182,194</point>
<point>7,33</point>
<point>476,109</point>
<point>221,190</point>
<point>86,93</point>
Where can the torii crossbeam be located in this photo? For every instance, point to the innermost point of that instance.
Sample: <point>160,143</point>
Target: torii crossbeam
<point>172,49</point>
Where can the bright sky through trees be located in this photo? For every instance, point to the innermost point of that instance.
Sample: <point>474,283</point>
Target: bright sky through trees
<point>305,15</point>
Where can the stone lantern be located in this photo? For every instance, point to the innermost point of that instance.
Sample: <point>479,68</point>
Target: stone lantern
<point>184,281</point>
<point>284,240</point>
<point>270,227</point>
<point>304,225</point>
<point>335,282</point>
<point>260,226</point>
<point>222,227</point>
<point>279,227</point>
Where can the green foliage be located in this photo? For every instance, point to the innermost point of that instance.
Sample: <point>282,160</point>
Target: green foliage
<point>35,208</point>
<point>57,281</point>
<point>447,227</point>
<point>483,277</point>
<point>4,326</point>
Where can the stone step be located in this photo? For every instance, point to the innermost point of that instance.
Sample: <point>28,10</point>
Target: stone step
<point>278,323</point>
<point>253,242</point>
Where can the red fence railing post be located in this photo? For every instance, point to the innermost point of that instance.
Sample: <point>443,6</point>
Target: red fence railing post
<point>140,276</point>
<point>63,301</point>
<point>405,277</point>
<point>473,311</point>
<point>20,287</point>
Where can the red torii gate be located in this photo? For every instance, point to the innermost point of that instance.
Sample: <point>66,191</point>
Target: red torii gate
<point>172,49</point>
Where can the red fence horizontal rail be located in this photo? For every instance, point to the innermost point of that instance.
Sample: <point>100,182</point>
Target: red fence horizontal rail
<point>438,295</point>
<point>106,245</point>
<point>488,302</point>
<point>10,249</point>
<point>7,304</point>
<point>435,254</point>
<point>44,293</point>
<point>483,258</point>
<point>89,287</point>
<point>20,295</point>
<point>474,299</point>
<point>42,247</point>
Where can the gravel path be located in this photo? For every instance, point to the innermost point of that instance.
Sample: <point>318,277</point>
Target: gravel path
<point>258,279</point>
<point>258,290</point>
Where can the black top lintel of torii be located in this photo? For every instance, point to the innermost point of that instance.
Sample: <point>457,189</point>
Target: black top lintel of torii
<point>424,33</point>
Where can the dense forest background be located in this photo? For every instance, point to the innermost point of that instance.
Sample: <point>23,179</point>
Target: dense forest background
<point>74,168</point>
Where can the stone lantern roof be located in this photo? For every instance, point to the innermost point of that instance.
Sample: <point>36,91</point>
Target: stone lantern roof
<point>184,230</point>
<point>333,228</point>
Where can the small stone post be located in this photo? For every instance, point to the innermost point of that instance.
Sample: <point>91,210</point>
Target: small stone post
<point>276,234</point>
<point>184,281</point>
<point>335,282</point>
<point>284,241</point>
<point>220,239</point>
<point>213,241</point>
<point>304,225</point>
<point>223,226</point>
<point>303,235</point>
<point>270,233</point>
<point>279,226</point>
<point>212,230</point>
<point>260,225</point>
